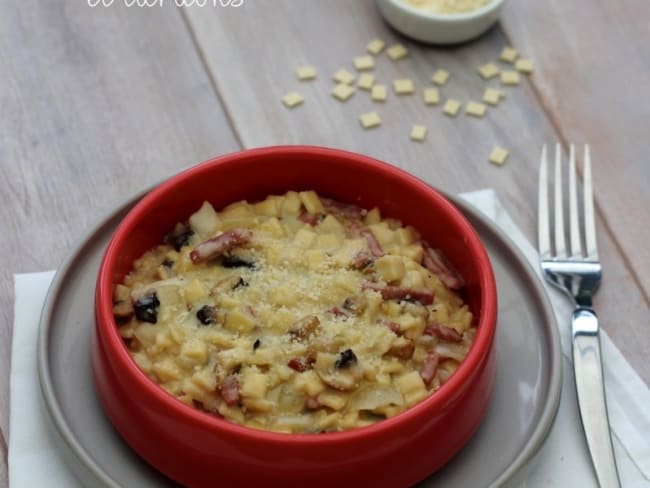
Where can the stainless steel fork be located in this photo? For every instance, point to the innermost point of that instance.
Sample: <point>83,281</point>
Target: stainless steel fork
<point>578,273</point>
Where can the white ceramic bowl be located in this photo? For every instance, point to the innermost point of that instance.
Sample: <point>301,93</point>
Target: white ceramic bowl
<point>426,26</point>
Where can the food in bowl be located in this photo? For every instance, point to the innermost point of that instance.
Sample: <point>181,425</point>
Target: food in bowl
<point>297,314</point>
<point>197,449</point>
<point>447,6</point>
<point>440,21</point>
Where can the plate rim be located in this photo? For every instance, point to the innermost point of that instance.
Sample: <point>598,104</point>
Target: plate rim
<point>59,424</point>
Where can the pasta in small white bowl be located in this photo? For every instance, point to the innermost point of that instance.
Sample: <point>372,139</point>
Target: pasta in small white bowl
<point>437,21</point>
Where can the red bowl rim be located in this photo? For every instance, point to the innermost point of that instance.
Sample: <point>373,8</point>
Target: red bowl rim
<point>107,327</point>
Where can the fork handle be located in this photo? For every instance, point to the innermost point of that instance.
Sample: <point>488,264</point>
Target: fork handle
<point>588,369</point>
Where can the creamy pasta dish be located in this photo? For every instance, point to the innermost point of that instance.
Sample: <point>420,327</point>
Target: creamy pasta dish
<point>297,313</point>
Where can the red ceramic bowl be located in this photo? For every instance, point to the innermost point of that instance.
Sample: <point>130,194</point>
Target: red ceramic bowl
<point>198,449</point>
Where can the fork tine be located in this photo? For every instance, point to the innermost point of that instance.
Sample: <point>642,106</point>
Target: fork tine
<point>590,216</point>
<point>574,224</point>
<point>560,243</point>
<point>543,235</point>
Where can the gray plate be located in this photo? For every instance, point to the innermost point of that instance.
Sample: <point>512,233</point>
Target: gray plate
<point>519,417</point>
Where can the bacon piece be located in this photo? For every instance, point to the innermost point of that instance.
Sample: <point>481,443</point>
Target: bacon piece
<point>361,260</point>
<point>394,326</point>
<point>301,364</point>
<point>338,313</point>
<point>230,390</point>
<point>311,219</point>
<point>347,211</point>
<point>353,228</point>
<point>373,243</point>
<point>312,403</point>
<point>429,368</point>
<point>223,243</point>
<point>442,332</point>
<point>391,292</point>
<point>436,262</point>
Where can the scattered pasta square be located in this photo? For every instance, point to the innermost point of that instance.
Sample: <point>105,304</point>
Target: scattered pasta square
<point>403,86</point>
<point>366,80</point>
<point>492,96</point>
<point>451,107</point>
<point>418,132</point>
<point>292,99</point>
<point>509,54</point>
<point>396,52</point>
<point>489,70</point>
<point>364,62</point>
<point>475,108</point>
<point>378,93</point>
<point>498,155</point>
<point>370,120</point>
<point>440,77</point>
<point>342,91</point>
<point>344,76</point>
<point>375,46</point>
<point>306,73</point>
<point>431,96</point>
<point>524,65</point>
<point>509,77</point>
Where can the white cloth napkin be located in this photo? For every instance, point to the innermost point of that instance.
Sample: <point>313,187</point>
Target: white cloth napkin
<point>562,461</point>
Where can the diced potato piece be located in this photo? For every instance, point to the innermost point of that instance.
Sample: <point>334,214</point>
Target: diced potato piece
<point>304,238</point>
<point>413,279</point>
<point>406,235</point>
<point>311,202</point>
<point>331,224</point>
<point>392,367</point>
<point>258,405</point>
<point>122,293</point>
<point>412,387</point>
<point>269,207</point>
<point>167,370</point>
<point>204,221</point>
<point>329,421</point>
<point>328,242</point>
<point>412,251</point>
<point>292,204</point>
<point>253,384</point>
<point>333,400</point>
<point>240,321</point>
<point>373,217</point>
<point>143,361</point>
<point>196,351</point>
<point>382,233</point>
<point>237,210</point>
<point>413,327</point>
<point>309,383</point>
<point>347,285</point>
<point>272,227</point>
<point>316,258</point>
<point>193,292</point>
<point>164,340</point>
<point>205,379</point>
<point>146,334</point>
<point>390,268</point>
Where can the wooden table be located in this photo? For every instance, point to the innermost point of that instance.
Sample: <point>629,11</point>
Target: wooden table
<point>98,103</point>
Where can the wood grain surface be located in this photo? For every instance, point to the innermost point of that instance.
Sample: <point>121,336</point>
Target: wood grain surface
<point>98,103</point>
